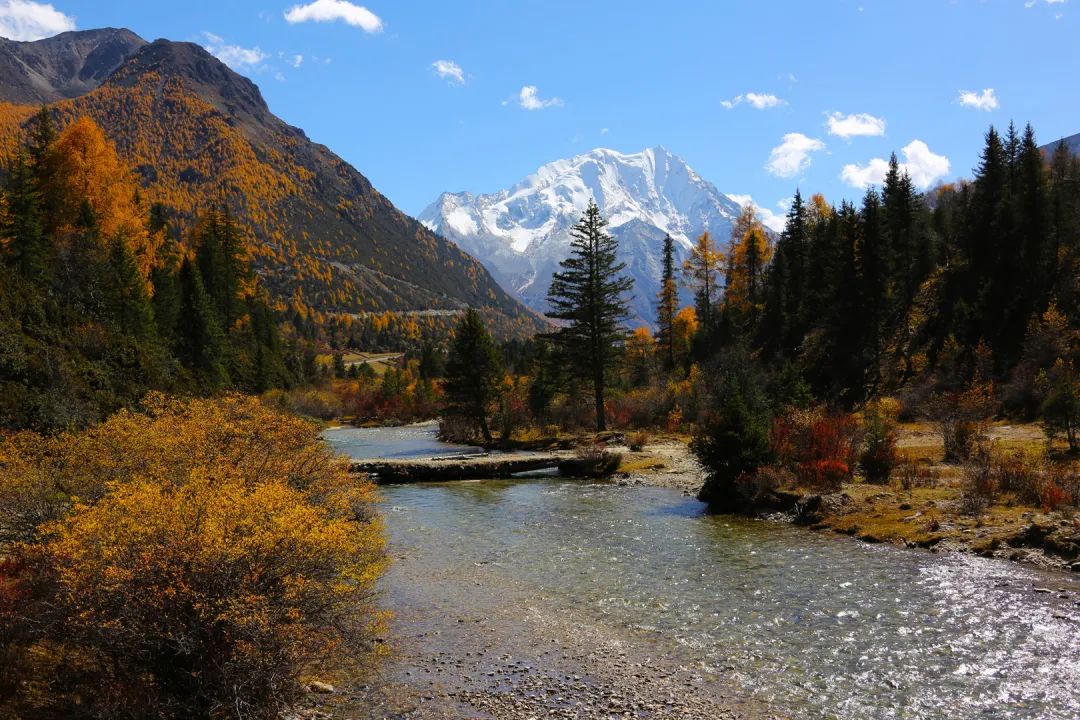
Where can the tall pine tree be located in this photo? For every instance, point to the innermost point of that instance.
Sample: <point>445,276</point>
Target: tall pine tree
<point>474,370</point>
<point>588,295</point>
<point>667,305</point>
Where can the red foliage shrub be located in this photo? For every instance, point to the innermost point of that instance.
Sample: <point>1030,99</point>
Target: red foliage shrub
<point>825,474</point>
<point>1053,496</point>
<point>819,447</point>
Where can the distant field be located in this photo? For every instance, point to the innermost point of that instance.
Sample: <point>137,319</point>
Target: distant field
<point>379,362</point>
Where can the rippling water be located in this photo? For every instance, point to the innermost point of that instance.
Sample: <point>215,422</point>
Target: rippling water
<point>405,442</point>
<point>817,625</point>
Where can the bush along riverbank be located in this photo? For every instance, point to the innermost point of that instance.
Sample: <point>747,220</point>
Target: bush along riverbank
<point>1008,495</point>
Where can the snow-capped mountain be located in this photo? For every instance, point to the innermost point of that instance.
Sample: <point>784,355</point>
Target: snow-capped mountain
<point>522,233</point>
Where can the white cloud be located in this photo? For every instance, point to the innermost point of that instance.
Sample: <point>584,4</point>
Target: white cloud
<point>236,57</point>
<point>332,10</point>
<point>605,131</point>
<point>297,61</point>
<point>792,155</point>
<point>1033,3</point>
<point>23,20</point>
<point>759,101</point>
<point>529,99</point>
<point>855,125</point>
<point>773,221</point>
<point>924,167</point>
<point>985,101</point>
<point>450,71</point>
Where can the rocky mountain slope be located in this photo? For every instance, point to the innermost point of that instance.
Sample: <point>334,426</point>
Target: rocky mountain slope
<point>1073,143</point>
<point>522,233</point>
<point>199,133</point>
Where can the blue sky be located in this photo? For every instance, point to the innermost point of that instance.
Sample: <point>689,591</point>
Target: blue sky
<point>759,97</point>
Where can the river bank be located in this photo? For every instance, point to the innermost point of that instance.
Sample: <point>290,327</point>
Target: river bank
<point>924,517</point>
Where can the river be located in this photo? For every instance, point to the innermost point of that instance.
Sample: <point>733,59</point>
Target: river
<point>763,615</point>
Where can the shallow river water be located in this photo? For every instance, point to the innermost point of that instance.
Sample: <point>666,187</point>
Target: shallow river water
<point>812,625</point>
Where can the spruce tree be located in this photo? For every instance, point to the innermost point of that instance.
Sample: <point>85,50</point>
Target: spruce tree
<point>783,327</point>
<point>127,295</point>
<point>200,344</point>
<point>667,305</point>
<point>588,295</point>
<point>474,371</point>
<point>166,283</point>
<point>27,246</point>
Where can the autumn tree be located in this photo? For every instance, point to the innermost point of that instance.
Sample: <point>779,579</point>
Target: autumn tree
<point>684,328</point>
<point>85,169</point>
<point>747,259</point>
<point>702,270</point>
<point>473,373</point>
<point>640,356</point>
<point>589,296</point>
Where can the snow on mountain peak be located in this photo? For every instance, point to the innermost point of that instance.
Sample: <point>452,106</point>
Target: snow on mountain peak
<point>521,233</point>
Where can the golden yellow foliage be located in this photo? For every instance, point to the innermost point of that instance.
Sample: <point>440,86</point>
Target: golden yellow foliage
<point>702,269</point>
<point>640,345</point>
<point>86,169</point>
<point>684,329</point>
<point>749,254</point>
<point>203,554</point>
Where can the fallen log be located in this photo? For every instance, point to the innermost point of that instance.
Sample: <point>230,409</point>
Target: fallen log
<point>487,467</point>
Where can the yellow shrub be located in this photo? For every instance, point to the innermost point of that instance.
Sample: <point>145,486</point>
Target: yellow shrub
<point>206,554</point>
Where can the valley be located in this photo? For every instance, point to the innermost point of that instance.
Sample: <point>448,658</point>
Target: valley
<point>294,427</point>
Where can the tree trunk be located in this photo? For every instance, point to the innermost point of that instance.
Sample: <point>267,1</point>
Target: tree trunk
<point>598,394</point>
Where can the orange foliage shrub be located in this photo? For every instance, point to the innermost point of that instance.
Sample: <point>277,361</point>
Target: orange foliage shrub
<point>189,561</point>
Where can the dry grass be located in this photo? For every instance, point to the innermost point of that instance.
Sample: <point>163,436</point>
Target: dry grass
<point>924,516</point>
<point>643,462</point>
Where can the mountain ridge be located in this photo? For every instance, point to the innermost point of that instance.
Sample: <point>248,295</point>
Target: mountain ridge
<point>199,134</point>
<point>521,233</point>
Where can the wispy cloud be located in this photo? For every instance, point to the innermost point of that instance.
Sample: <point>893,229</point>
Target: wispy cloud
<point>237,57</point>
<point>529,99</point>
<point>334,11</point>
<point>759,101</point>
<point>450,71</point>
<point>924,167</point>
<point>25,21</point>
<point>793,155</point>
<point>770,219</point>
<point>855,125</point>
<point>985,101</point>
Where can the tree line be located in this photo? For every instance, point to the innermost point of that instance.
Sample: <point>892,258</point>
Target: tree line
<point>101,299</point>
<point>968,289</point>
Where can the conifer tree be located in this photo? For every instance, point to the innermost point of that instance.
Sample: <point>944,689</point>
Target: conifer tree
<point>667,305</point>
<point>27,246</point>
<point>588,295</point>
<point>129,303</point>
<point>166,283</point>
<point>474,371</point>
<point>200,343</point>
<point>783,313</point>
